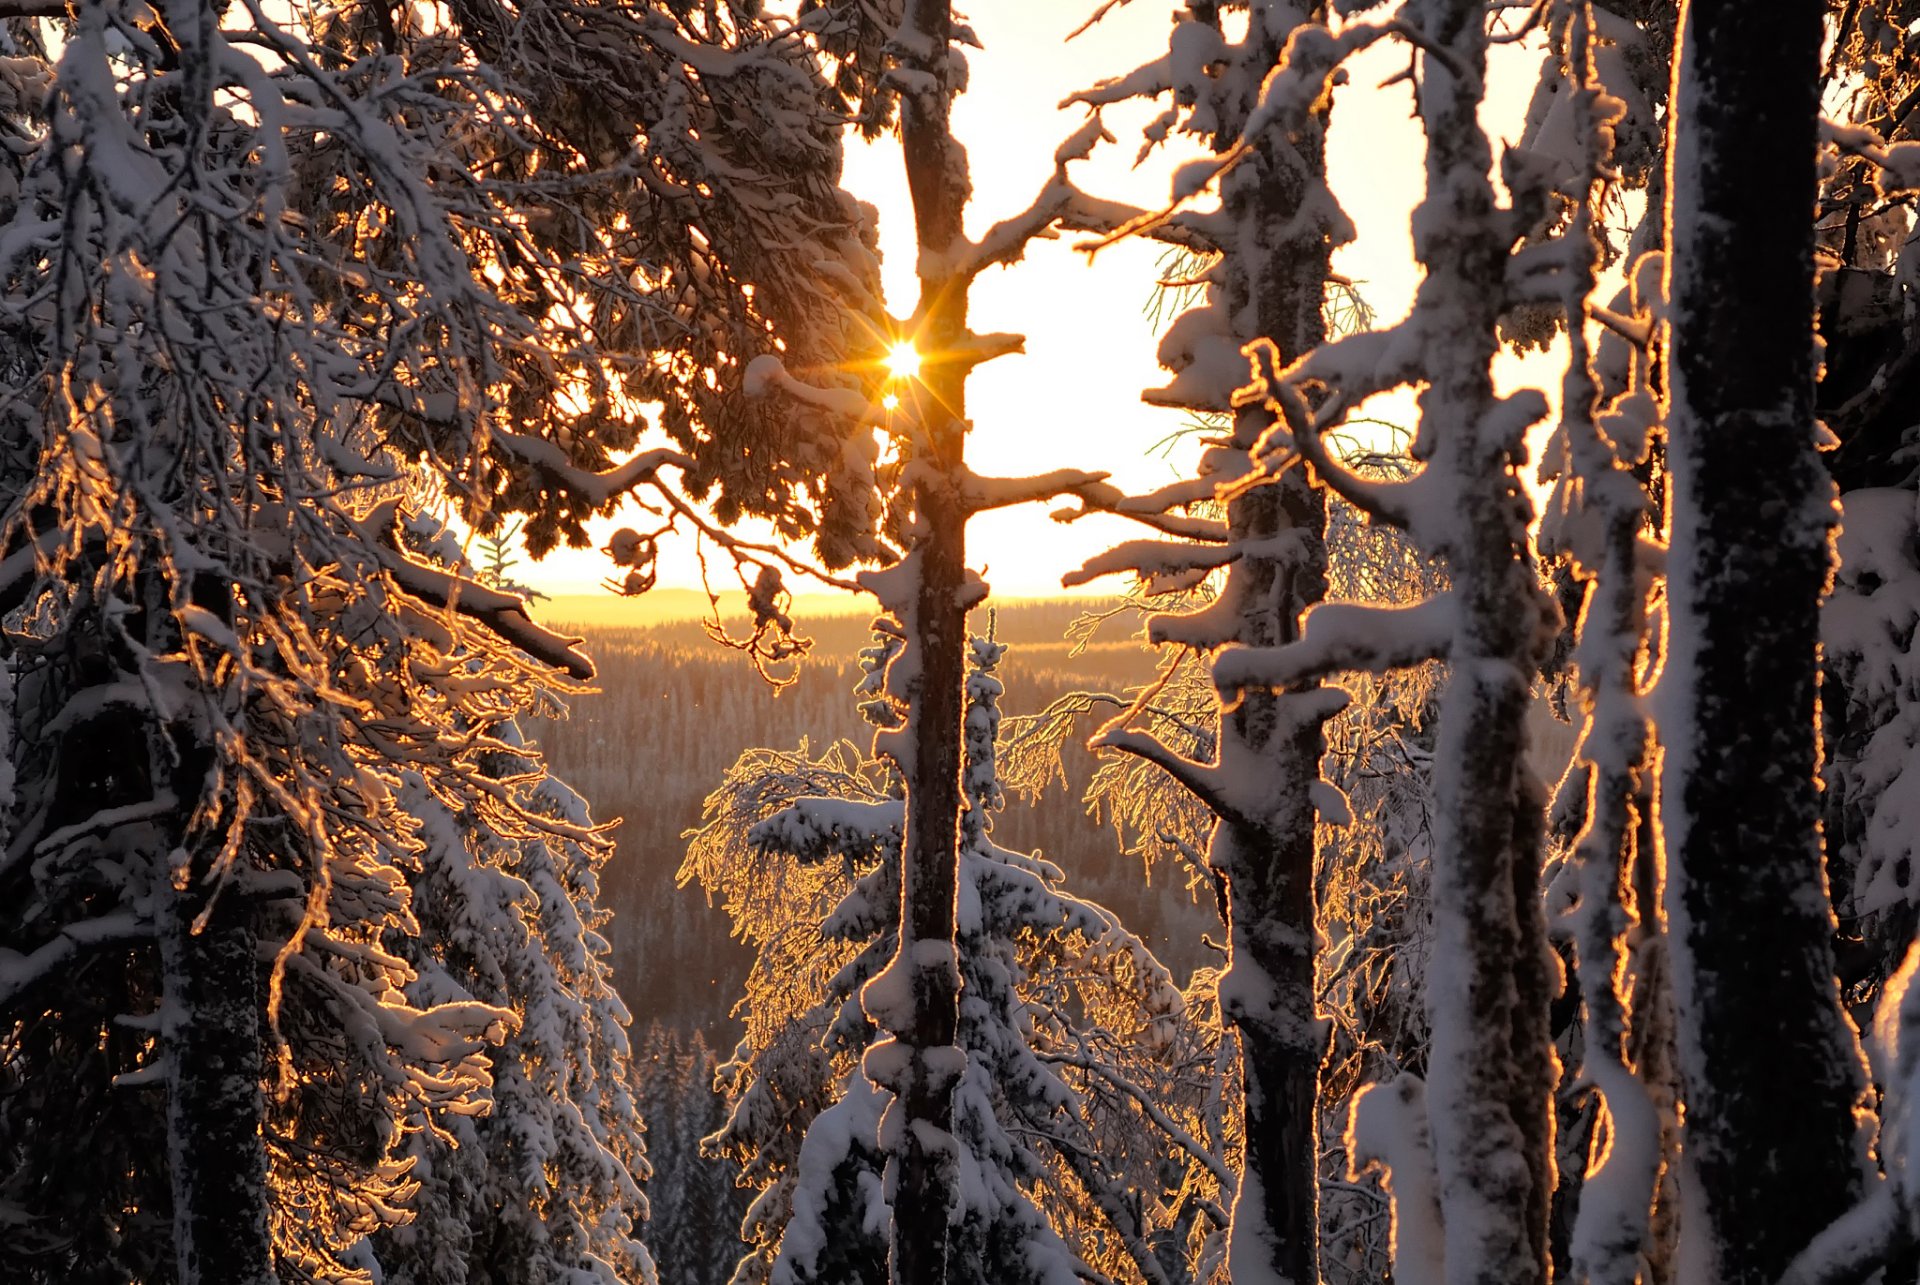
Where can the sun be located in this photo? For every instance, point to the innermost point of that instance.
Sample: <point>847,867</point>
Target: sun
<point>903,360</point>
<point>891,401</point>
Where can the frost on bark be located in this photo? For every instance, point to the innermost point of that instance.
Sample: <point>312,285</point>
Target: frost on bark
<point>1769,1061</point>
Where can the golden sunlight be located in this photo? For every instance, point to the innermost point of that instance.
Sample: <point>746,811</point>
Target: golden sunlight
<point>903,360</point>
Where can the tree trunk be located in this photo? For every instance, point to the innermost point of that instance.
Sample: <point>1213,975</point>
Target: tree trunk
<point>215,1106</point>
<point>211,1017</point>
<point>1268,857</point>
<point>937,179</point>
<point>1492,1068</point>
<point>1769,1062</point>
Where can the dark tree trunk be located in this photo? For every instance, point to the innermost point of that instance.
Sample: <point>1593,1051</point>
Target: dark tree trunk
<point>1770,1065</point>
<point>937,180</point>
<point>215,1105</point>
<point>211,1012</point>
<point>1268,856</point>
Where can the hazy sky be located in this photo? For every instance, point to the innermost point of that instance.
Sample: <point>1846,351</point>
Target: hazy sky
<point>1074,399</point>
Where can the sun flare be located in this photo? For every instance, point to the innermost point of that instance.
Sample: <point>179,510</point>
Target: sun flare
<point>903,360</point>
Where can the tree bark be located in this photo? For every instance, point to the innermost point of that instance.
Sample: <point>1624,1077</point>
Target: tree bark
<point>1770,1064</point>
<point>937,180</point>
<point>211,1017</point>
<point>1267,856</point>
<point>215,1105</point>
<point>1492,1068</point>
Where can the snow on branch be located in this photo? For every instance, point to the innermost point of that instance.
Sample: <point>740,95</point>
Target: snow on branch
<point>980,494</point>
<point>819,826</point>
<point>1203,780</point>
<point>1344,636</point>
<point>1299,429</point>
<point>767,373</point>
<point>503,613</point>
<point>1153,559</point>
<point>19,972</point>
<point>1152,509</point>
<point>1896,165</point>
<point>598,488</point>
<point>1289,93</point>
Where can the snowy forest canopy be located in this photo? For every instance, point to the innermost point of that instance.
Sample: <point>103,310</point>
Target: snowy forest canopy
<point>305,961</point>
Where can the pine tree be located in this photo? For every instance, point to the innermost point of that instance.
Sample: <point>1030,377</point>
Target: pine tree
<point>1041,971</point>
<point>1266,272</point>
<point>1763,1038</point>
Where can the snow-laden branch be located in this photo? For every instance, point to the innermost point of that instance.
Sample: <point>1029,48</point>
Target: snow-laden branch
<point>1007,240</point>
<point>767,373</point>
<point>1153,509</point>
<point>1203,780</point>
<point>503,613</point>
<point>980,494</point>
<point>1896,165</point>
<point>1287,96</point>
<point>1344,636</point>
<point>1153,559</point>
<point>1299,429</point>
<point>599,489</point>
<point>21,971</point>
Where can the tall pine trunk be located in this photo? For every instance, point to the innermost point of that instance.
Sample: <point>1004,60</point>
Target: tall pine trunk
<point>937,180</point>
<point>1769,1062</point>
<point>1267,855</point>
<point>211,1019</point>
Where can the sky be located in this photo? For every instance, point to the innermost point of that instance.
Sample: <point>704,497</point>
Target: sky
<point>1073,399</point>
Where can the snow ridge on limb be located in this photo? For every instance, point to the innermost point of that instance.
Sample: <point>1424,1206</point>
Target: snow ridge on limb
<point>504,613</point>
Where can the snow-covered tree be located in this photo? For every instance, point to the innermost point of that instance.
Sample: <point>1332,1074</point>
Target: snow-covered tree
<point>245,279</point>
<point>1490,1068</point>
<point>1264,258</point>
<point>1065,1018</point>
<point>546,1184</point>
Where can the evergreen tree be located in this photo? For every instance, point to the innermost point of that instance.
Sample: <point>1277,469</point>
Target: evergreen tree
<point>1052,988</point>
<point>1266,272</point>
<point>1763,1038</point>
